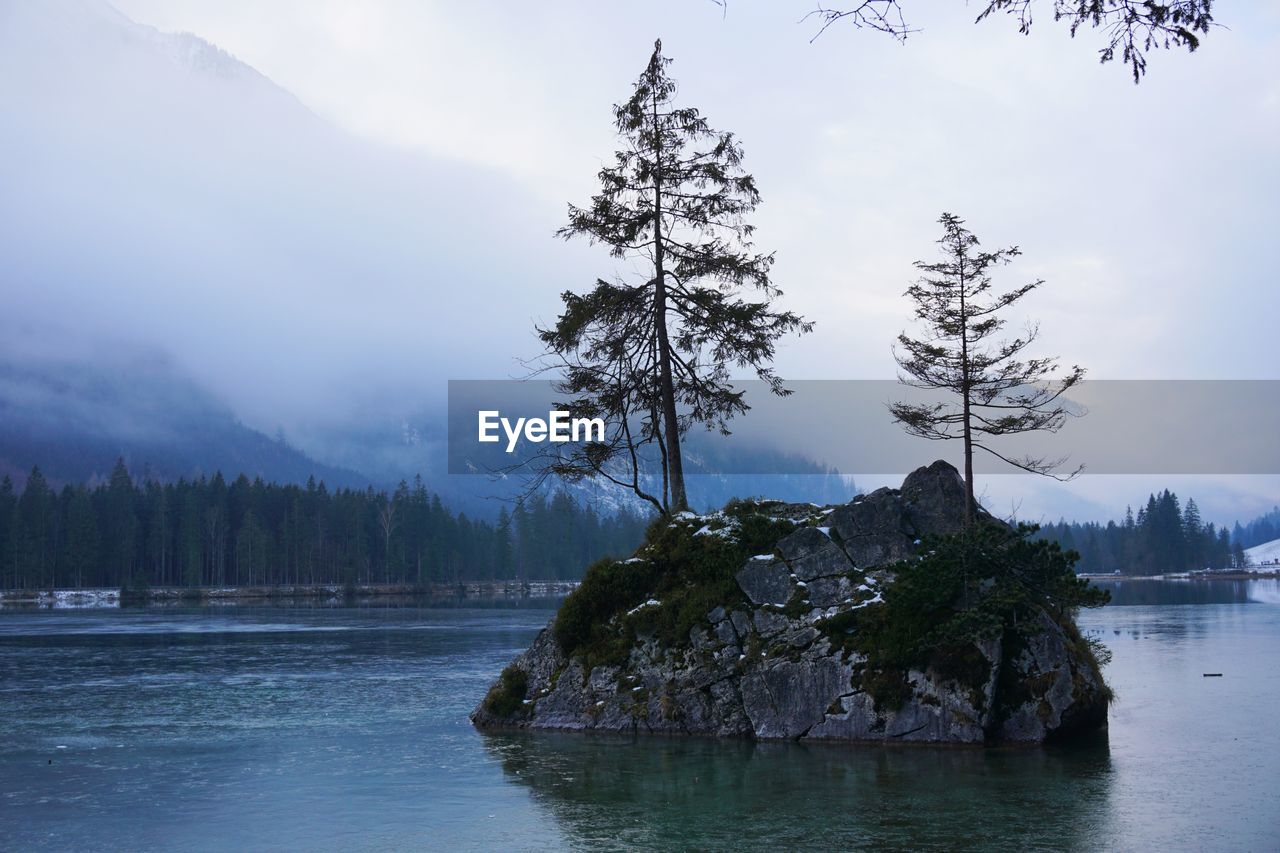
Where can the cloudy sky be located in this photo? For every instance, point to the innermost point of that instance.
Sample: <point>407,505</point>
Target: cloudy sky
<point>1150,210</point>
<point>349,251</point>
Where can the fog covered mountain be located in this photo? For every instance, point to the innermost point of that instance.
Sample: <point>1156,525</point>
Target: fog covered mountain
<point>75,420</point>
<point>161,193</point>
<point>191,258</point>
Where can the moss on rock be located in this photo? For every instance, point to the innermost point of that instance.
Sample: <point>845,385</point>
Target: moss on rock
<point>507,696</point>
<point>684,569</point>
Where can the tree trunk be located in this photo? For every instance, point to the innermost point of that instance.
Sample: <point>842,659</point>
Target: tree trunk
<point>671,421</point>
<point>968,467</point>
<point>964,392</point>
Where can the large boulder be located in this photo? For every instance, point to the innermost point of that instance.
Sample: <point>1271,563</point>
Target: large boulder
<point>934,499</point>
<point>1047,691</point>
<point>766,581</point>
<point>770,664</point>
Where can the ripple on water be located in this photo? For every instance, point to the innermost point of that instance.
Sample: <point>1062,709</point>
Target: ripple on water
<point>226,735</point>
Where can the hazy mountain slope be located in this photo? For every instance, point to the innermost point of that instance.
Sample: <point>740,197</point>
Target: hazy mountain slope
<point>159,197</point>
<point>74,421</point>
<point>160,192</point>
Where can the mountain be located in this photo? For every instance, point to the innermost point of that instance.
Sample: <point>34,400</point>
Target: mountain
<point>394,449</point>
<point>74,420</point>
<point>1264,528</point>
<point>190,258</point>
<point>74,416</point>
<point>160,192</point>
<point>163,199</point>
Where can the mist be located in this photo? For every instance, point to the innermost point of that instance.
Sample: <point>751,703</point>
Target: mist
<point>160,194</point>
<point>316,219</point>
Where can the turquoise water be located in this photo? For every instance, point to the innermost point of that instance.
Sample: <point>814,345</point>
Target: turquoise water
<point>345,728</point>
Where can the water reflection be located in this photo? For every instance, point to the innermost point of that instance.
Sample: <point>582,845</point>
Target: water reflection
<point>664,793</point>
<point>333,603</point>
<point>311,727</point>
<point>1148,591</point>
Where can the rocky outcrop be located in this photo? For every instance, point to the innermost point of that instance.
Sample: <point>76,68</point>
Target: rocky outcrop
<point>775,664</point>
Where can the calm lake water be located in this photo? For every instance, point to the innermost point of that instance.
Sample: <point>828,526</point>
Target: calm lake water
<point>255,728</point>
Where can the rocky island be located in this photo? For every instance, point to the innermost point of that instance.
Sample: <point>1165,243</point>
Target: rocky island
<point>881,620</point>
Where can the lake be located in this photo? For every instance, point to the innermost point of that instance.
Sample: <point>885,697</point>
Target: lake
<point>339,728</point>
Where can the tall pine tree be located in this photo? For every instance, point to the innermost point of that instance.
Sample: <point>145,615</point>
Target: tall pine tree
<point>652,356</point>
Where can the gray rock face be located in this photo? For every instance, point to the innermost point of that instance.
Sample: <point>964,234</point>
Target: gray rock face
<point>770,623</point>
<point>766,581</point>
<point>874,529</point>
<point>788,698</point>
<point>938,710</point>
<point>772,672</point>
<point>1054,676</point>
<point>829,561</point>
<point>829,592</point>
<point>934,497</point>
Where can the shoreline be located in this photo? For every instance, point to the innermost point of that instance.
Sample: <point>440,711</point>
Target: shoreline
<point>74,598</point>
<point>112,597</point>
<point>1233,575</point>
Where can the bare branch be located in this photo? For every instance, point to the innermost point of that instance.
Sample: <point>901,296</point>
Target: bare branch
<point>1132,28</point>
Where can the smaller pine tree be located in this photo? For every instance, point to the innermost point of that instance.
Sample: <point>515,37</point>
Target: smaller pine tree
<point>998,392</point>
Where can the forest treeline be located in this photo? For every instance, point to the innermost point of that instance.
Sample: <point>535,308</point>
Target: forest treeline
<point>1264,528</point>
<point>210,532</point>
<point>1163,537</point>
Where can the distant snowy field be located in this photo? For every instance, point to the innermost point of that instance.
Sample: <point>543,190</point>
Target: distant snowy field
<point>1267,552</point>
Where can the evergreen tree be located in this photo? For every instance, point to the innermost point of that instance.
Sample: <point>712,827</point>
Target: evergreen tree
<point>1225,548</point>
<point>652,357</point>
<point>999,394</point>
<point>82,537</point>
<point>1193,534</point>
<point>1239,560</point>
<point>191,538</point>
<point>1162,538</point>
<point>122,522</point>
<point>503,548</point>
<point>215,529</point>
<point>138,536</point>
<point>35,540</point>
<point>1265,528</point>
<point>8,509</point>
<point>16,551</point>
<point>158,545</point>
